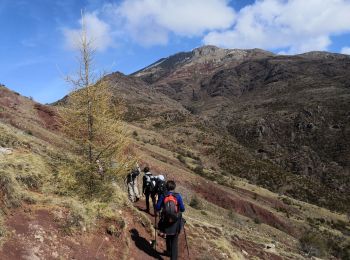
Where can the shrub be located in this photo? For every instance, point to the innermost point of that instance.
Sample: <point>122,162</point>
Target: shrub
<point>158,125</point>
<point>342,226</point>
<point>314,244</point>
<point>135,134</point>
<point>29,132</point>
<point>10,190</point>
<point>257,220</point>
<point>195,203</point>
<point>204,213</point>
<point>287,201</point>
<point>199,170</point>
<point>116,230</point>
<point>181,158</point>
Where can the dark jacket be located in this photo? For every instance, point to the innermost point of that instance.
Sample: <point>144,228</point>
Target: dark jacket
<point>145,185</point>
<point>132,175</point>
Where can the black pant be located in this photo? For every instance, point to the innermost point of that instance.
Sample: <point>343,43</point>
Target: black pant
<point>153,198</point>
<point>171,245</point>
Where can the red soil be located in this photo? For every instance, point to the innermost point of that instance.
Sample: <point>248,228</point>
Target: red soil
<point>48,116</point>
<point>220,197</point>
<point>36,234</point>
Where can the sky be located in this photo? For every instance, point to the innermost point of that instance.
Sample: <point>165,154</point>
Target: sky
<point>38,37</point>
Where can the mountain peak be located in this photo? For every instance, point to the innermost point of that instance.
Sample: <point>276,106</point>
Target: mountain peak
<point>208,57</point>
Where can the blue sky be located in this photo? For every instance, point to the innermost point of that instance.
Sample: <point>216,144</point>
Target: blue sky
<point>37,36</point>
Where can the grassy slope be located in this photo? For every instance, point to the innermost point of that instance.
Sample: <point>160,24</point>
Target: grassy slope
<point>233,227</point>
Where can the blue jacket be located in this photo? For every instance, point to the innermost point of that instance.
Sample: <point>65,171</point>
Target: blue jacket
<point>160,203</point>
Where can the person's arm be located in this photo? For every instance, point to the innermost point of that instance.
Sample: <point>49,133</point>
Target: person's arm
<point>180,202</point>
<point>160,203</point>
<point>143,184</point>
<point>138,167</point>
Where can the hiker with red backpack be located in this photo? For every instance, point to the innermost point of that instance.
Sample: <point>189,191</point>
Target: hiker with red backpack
<point>171,222</point>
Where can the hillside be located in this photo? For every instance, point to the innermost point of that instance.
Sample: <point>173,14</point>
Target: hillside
<point>285,118</point>
<point>206,119</point>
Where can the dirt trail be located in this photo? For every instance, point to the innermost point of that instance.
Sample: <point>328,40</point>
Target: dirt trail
<point>35,232</point>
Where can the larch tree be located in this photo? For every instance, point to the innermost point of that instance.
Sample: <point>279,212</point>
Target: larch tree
<point>91,118</point>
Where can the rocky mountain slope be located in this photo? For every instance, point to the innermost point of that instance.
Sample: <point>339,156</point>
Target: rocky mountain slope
<point>285,118</point>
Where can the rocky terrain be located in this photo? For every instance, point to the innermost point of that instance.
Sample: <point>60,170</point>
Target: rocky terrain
<point>288,115</point>
<point>258,144</point>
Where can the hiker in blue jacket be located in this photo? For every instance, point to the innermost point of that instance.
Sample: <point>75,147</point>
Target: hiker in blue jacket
<point>171,207</point>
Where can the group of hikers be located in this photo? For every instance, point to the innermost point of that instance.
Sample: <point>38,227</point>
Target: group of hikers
<point>166,203</point>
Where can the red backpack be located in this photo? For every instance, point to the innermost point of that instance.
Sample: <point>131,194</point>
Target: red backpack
<point>171,208</point>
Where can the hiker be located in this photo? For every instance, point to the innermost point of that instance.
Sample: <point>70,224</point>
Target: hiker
<point>148,187</point>
<point>160,188</point>
<point>131,182</point>
<point>171,220</point>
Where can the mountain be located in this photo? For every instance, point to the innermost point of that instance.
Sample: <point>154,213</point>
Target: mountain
<point>257,143</point>
<point>285,119</point>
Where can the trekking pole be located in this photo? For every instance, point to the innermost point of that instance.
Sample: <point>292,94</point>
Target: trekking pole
<point>188,250</point>
<point>155,231</point>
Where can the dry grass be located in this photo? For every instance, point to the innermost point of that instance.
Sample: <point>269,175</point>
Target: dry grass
<point>36,173</point>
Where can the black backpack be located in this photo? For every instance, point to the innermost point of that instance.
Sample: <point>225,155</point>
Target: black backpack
<point>150,182</point>
<point>171,208</point>
<point>161,188</point>
<point>132,175</point>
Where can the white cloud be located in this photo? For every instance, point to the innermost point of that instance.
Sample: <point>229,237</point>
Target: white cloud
<point>294,25</point>
<point>287,26</point>
<point>150,22</point>
<point>345,50</point>
<point>155,19</point>
<point>98,32</point>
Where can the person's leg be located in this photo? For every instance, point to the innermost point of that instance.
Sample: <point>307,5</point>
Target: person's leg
<point>131,192</point>
<point>168,244</point>
<point>174,242</point>
<point>153,197</point>
<point>147,200</point>
<point>136,190</point>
